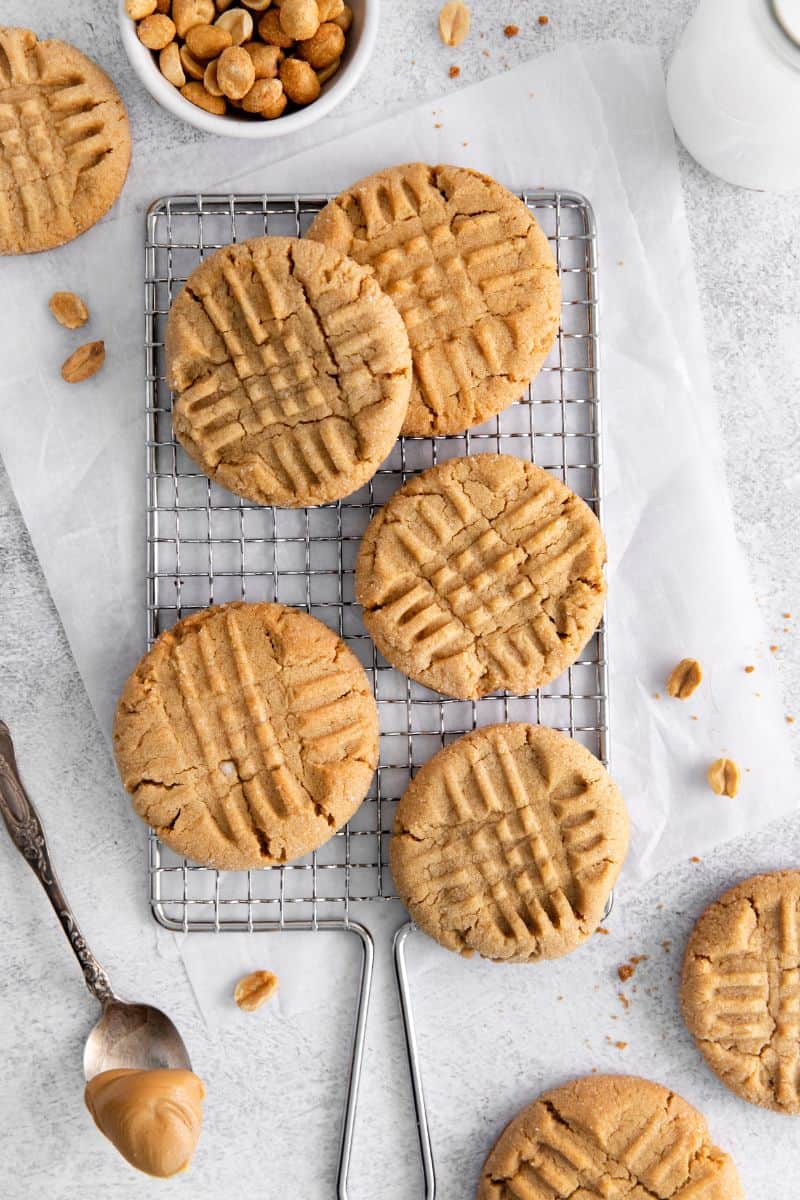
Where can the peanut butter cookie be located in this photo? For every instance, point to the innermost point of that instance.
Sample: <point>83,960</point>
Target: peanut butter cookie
<point>508,842</point>
<point>480,574</point>
<point>741,989</point>
<point>247,735</point>
<point>612,1136</point>
<point>473,275</point>
<point>291,371</point>
<point>65,145</point>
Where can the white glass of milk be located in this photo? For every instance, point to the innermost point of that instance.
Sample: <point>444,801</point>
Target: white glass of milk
<point>733,90</point>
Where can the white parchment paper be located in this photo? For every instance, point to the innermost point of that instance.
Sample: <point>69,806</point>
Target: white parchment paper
<point>590,119</point>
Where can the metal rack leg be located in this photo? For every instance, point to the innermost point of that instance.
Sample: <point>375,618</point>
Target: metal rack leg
<point>356,1056</point>
<point>423,1130</point>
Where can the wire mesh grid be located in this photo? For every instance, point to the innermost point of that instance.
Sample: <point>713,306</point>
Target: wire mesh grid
<point>206,546</point>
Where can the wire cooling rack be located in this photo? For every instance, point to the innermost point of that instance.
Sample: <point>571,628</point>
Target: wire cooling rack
<point>206,546</point>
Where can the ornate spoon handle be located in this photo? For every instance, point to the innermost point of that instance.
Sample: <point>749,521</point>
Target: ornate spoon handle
<point>25,828</point>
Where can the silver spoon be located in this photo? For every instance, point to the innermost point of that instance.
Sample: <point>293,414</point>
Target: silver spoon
<point>127,1035</point>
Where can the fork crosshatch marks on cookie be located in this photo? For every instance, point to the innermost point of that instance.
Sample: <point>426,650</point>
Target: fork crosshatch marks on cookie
<point>64,143</point>
<point>206,546</point>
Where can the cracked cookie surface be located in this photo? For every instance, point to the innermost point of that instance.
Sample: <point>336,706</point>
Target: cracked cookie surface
<point>740,989</point>
<point>481,574</point>
<point>247,735</point>
<point>473,275</point>
<point>65,143</point>
<point>612,1136</point>
<point>291,371</point>
<point>508,843</point>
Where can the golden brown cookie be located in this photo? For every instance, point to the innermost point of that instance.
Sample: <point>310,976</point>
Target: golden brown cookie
<point>291,370</point>
<point>614,1136</point>
<point>741,989</point>
<point>247,735</point>
<point>65,145</point>
<point>481,574</point>
<point>508,842</point>
<point>473,275</point>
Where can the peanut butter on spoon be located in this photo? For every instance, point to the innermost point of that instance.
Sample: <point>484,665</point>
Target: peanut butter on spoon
<point>152,1117</point>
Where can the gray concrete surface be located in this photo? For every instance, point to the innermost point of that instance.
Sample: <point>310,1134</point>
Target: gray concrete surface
<point>273,1112</point>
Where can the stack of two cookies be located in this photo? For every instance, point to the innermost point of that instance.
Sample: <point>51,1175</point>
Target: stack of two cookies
<point>422,302</point>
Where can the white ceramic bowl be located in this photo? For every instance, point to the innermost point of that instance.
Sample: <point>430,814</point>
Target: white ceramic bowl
<point>360,44</point>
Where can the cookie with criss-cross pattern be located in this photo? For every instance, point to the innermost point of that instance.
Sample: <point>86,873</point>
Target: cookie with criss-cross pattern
<point>480,574</point>
<point>472,273</point>
<point>65,144</point>
<point>741,989</point>
<point>613,1136</point>
<point>247,735</point>
<point>291,371</point>
<point>508,842</point>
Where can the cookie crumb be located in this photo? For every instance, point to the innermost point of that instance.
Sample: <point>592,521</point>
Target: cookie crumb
<point>773,649</point>
<point>543,20</point>
<point>625,972</point>
<point>454,72</point>
<point>255,989</point>
<point>656,695</point>
<point>786,616</point>
<point>511,30</point>
<point>789,720</point>
<point>749,669</point>
<point>666,945</point>
<point>684,679</point>
<point>723,777</point>
<point>437,125</point>
<point>623,999</point>
<point>602,929</point>
<point>695,859</point>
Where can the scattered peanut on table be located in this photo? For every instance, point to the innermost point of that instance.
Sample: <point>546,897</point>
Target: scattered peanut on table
<point>84,362</point>
<point>723,777</point>
<point>68,309</point>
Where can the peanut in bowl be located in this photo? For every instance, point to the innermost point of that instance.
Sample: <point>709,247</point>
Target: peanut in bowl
<point>216,66</point>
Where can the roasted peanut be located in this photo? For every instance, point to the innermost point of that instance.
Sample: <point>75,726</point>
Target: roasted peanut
<point>137,10</point>
<point>207,41</point>
<point>345,18</point>
<point>188,13</point>
<point>235,72</point>
<point>266,97</point>
<point>269,28</point>
<point>723,777</point>
<point>156,31</point>
<point>239,24</point>
<point>84,362</point>
<point>210,80</point>
<point>252,991</point>
<point>223,4</point>
<point>327,72</point>
<point>266,59</point>
<point>299,81</point>
<point>685,679</point>
<point>193,68</point>
<point>329,10</point>
<point>454,21</point>
<point>257,5</point>
<point>197,94</point>
<point>324,47</point>
<point>299,18</point>
<point>170,65</point>
<point>68,309</point>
